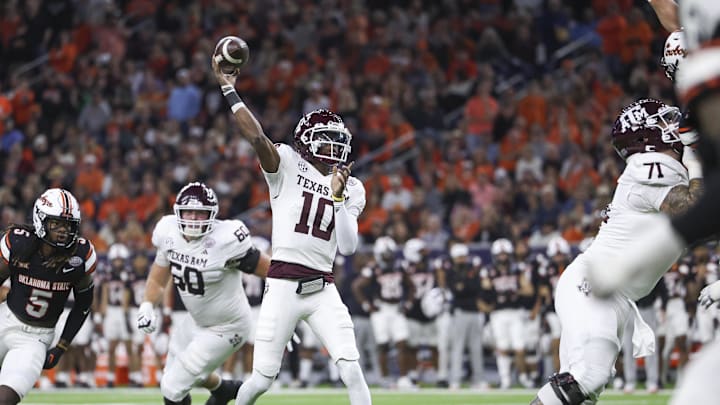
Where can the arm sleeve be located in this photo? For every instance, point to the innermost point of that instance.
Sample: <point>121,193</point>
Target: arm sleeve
<point>346,229</point>
<point>78,313</point>
<point>701,221</point>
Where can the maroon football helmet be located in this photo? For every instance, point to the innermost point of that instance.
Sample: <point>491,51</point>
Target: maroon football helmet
<point>321,136</point>
<point>196,197</point>
<point>647,125</point>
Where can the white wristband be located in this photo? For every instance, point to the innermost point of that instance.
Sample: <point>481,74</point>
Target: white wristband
<point>237,106</point>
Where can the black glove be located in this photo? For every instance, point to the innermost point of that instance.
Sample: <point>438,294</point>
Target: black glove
<point>53,356</point>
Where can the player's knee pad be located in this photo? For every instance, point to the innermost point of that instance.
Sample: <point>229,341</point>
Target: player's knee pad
<point>259,383</point>
<point>350,372</point>
<point>565,388</point>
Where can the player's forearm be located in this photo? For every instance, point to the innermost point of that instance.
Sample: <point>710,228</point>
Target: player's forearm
<point>346,229</point>
<point>251,130</point>
<point>701,221</point>
<point>156,282</point>
<point>78,313</point>
<point>667,13</point>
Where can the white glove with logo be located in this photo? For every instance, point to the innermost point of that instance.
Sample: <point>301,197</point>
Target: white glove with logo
<point>710,294</point>
<point>691,161</point>
<point>146,318</point>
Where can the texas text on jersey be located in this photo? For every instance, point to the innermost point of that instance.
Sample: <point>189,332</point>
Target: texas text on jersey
<point>38,293</point>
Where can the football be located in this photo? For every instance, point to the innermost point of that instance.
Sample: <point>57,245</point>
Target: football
<point>231,53</point>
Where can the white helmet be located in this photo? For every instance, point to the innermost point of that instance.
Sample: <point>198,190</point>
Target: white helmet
<point>459,250</point>
<point>558,245</point>
<point>118,251</point>
<point>433,302</point>
<point>58,205</point>
<point>384,249</point>
<point>413,250</point>
<point>674,51</point>
<point>501,246</point>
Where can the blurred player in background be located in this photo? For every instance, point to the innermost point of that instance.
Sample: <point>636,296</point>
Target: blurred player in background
<point>114,305</point>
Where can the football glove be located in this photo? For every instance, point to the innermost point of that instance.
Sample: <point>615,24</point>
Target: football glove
<point>691,161</point>
<point>146,318</point>
<point>710,294</point>
<point>52,357</point>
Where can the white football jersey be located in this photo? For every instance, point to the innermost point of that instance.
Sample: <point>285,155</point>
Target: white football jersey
<point>302,211</point>
<point>212,293</point>
<point>641,190</point>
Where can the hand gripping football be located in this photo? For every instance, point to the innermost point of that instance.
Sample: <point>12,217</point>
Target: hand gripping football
<point>231,53</point>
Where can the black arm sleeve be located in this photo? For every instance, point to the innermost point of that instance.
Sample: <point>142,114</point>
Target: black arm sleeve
<point>247,263</point>
<point>701,221</point>
<point>78,313</point>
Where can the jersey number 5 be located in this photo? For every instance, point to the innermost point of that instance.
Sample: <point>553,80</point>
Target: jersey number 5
<point>317,231</point>
<point>653,165</point>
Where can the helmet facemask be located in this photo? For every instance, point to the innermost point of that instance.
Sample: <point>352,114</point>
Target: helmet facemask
<point>667,120</point>
<point>329,144</point>
<point>195,228</point>
<point>51,231</point>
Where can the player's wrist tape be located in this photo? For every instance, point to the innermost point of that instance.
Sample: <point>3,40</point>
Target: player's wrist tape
<point>232,97</point>
<point>62,346</point>
<point>337,199</point>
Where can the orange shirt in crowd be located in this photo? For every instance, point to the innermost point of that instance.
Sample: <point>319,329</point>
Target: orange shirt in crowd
<point>636,37</point>
<point>23,105</point>
<point>91,180</point>
<point>480,114</point>
<point>534,109</point>
<point>121,205</point>
<point>5,111</point>
<point>611,30</point>
<point>144,205</point>
<point>63,59</point>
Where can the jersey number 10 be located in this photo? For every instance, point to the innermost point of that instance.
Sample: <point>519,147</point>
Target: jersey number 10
<point>303,227</point>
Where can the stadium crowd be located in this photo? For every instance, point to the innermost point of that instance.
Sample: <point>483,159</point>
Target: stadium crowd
<point>472,121</point>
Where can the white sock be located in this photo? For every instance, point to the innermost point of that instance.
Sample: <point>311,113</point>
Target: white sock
<point>110,376</point>
<point>305,369</point>
<point>333,371</point>
<point>352,376</point>
<point>63,377</point>
<point>504,362</point>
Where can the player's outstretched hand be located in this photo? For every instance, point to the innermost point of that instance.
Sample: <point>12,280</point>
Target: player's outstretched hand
<point>222,78</point>
<point>146,318</point>
<point>710,294</point>
<point>340,174</point>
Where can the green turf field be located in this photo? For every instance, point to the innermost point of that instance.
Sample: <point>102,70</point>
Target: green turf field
<point>329,397</point>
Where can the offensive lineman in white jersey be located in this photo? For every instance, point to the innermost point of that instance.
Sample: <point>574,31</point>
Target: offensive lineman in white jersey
<point>315,204</point>
<point>204,256</point>
<point>645,134</point>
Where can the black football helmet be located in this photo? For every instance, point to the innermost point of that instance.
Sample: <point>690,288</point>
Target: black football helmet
<point>196,197</point>
<point>647,125</point>
<point>321,136</point>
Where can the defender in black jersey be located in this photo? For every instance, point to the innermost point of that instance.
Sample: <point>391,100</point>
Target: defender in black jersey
<point>44,263</point>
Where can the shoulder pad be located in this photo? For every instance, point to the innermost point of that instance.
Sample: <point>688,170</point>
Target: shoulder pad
<point>655,169</point>
<point>17,242</point>
<point>84,256</point>
<point>163,229</point>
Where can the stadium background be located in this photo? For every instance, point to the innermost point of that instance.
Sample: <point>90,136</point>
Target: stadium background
<point>472,119</point>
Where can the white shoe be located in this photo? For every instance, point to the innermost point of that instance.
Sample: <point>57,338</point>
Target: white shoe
<point>525,381</point>
<point>481,386</point>
<point>454,386</point>
<point>652,388</point>
<point>405,383</point>
<point>629,388</point>
<point>618,383</point>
